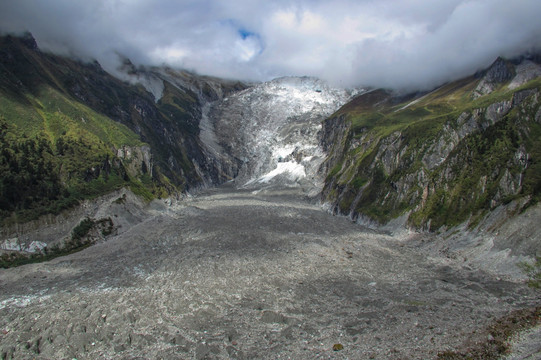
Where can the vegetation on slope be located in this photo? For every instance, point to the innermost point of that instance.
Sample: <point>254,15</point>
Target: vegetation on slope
<point>41,176</point>
<point>444,157</point>
<point>85,234</point>
<point>70,131</point>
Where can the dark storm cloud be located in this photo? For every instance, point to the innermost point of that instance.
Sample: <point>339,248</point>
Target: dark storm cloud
<point>392,43</point>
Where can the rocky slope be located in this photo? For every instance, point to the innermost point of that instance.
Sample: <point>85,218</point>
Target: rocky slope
<point>165,84</point>
<point>443,158</point>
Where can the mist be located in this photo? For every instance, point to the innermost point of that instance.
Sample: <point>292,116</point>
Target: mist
<point>406,44</point>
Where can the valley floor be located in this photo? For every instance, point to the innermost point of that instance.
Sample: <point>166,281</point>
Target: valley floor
<point>233,274</point>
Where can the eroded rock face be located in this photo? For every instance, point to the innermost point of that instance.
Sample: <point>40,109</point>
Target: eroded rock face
<point>333,141</point>
<point>495,112</point>
<point>499,72</point>
<point>136,159</point>
<point>525,71</point>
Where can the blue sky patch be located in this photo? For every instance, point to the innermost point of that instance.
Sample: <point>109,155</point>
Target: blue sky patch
<point>246,33</point>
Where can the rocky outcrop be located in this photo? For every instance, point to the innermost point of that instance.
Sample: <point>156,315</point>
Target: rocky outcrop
<point>525,71</point>
<point>499,72</point>
<point>333,140</point>
<point>136,159</point>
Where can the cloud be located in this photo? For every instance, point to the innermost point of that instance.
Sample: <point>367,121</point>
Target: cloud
<point>392,43</point>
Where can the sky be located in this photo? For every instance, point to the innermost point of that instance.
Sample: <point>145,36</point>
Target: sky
<point>400,44</point>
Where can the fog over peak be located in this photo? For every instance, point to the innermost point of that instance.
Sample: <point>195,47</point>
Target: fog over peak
<point>413,44</point>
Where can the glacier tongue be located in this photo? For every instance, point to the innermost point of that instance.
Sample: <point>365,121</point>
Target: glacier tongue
<point>270,132</point>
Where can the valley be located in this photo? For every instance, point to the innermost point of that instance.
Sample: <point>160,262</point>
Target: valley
<point>242,275</point>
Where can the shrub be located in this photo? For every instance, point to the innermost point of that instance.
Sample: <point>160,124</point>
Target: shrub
<point>82,229</point>
<point>533,271</point>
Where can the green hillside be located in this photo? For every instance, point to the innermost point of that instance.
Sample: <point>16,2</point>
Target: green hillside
<point>55,151</point>
<point>444,157</point>
<point>70,131</point>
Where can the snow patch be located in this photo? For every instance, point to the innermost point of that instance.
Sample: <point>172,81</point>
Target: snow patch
<point>282,152</point>
<point>14,244</point>
<point>292,170</point>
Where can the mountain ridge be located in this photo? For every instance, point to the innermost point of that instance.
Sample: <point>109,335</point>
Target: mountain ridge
<point>150,144</point>
<point>377,129</point>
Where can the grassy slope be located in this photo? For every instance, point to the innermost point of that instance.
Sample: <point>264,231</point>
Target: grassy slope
<point>419,123</point>
<point>53,114</point>
<point>37,108</point>
<point>77,140</point>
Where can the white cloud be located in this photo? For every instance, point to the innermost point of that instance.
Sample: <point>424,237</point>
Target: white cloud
<point>173,54</point>
<point>392,43</point>
<point>247,49</point>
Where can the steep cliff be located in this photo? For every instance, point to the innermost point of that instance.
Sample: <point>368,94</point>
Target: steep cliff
<point>441,158</point>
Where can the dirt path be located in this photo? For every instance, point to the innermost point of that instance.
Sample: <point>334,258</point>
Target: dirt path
<point>237,275</point>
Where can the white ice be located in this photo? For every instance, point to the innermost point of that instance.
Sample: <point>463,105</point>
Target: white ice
<point>291,169</point>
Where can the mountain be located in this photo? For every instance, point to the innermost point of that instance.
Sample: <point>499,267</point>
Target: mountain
<point>438,159</point>
<point>71,131</point>
<point>450,180</point>
<point>434,160</point>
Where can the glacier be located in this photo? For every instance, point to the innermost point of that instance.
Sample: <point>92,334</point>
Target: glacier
<point>268,133</point>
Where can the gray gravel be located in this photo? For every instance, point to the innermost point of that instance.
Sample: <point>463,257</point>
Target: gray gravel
<point>233,274</point>
<point>526,345</point>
